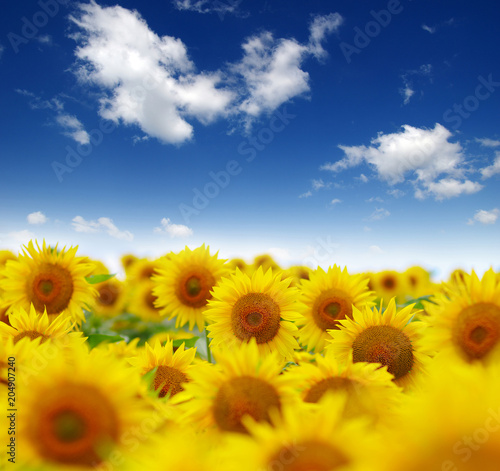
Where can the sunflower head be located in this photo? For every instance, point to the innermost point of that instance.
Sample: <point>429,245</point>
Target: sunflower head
<point>262,307</point>
<point>184,282</point>
<point>387,337</point>
<point>49,279</point>
<point>327,298</point>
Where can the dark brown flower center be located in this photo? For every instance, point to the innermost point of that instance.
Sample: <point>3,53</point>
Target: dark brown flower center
<point>51,288</point>
<point>194,287</point>
<point>331,306</point>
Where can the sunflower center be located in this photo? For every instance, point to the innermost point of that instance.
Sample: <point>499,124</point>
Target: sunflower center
<point>51,287</point>
<point>389,282</point>
<point>194,287</point>
<point>108,294</point>
<point>74,425</point>
<point>331,306</point>
<point>241,396</point>
<point>69,427</point>
<point>255,315</point>
<point>32,334</point>
<point>336,383</point>
<point>477,329</point>
<point>150,299</point>
<point>170,380</point>
<point>308,455</point>
<point>387,345</point>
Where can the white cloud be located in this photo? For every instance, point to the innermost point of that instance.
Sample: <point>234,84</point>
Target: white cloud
<point>407,93</point>
<point>375,249</point>
<point>429,29</point>
<point>376,199</point>
<point>281,254</point>
<point>36,218</point>
<point>396,193</point>
<point>318,184</point>
<point>136,139</point>
<point>150,80</point>
<point>378,214</point>
<point>493,169</point>
<point>488,142</point>
<point>335,201</point>
<point>319,29</point>
<point>436,164</point>
<point>19,237</point>
<point>306,194</point>
<point>209,6</point>
<point>45,39</point>
<point>173,230</point>
<point>81,225</point>
<point>485,217</point>
<point>363,178</point>
<point>74,128</point>
<point>271,69</point>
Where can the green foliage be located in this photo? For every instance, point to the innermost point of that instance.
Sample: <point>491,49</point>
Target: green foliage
<point>94,279</point>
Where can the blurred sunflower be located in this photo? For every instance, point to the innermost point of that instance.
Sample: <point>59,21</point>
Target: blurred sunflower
<point>297,273</point>
<point>241,383</point>
<point>328,297</point>
<point>33,325</point>
<point>262,307</point>
<point>305,438</point>
<point>49,279</point>
<point>141,270</point>
<point>388,284</point>
<point>265,261</point>
<point>77,409</point>
<point>111,298</point>
<point>369,388</point>
<point>465,319</point>
<point>142,302</point>
<point>184,282</point>
<point>172,369</point>
<point>127,261</point>
<point>386,337</point>
<point>418,281</point>
<point>464,433</point>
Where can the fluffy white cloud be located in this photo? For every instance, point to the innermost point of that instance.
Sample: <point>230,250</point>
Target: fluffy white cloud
<point>318,184</point>
<point>150,80</point>
<point>173,230</point>
<point>335,201</point>
<point>485,217</point>
<point>436,165</point>
<point>36,218</point>
<point>409,77</point>
<point>379,213</point>
<point>319,29</point>
<point>73,128</point>
<point>492,169</point>
<point>208,6</point>
<point>407,93</point>
<point>488,142</point>
<point>306,194</point>
<point>375,249</point>
<point>81,225</point>
<point>429,29</point>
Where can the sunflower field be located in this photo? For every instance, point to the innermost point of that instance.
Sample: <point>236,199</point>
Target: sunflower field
<point>195,363</point>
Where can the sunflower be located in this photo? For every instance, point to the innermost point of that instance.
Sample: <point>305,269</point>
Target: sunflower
<point>184,282</point>
<point>304,438</point>
<point>298,273</point>
<point>465,320</point>
<point>111,298</point>
<point>369,388</point>
<point>389,284</point>
<point>172,369</point>
<point>142,270</point>
<point>266,262</point>
<point>387,337</point>
<point>418,280</point>
<point>49,279</point>
<point>122,350</point>
<point>6,255</point>
<point>241,383</point>
<point>461,402</point>
<point>34,325</point>
<point>237,263</point>
<point>142,302</point>
<point>262,307</point>
<point>77,410</point>
<point>328,297</point>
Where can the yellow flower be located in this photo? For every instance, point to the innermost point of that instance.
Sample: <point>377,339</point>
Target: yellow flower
<point>241,383</point>
<point>387,337</point>
<point>418,281</point>
<point>466,319</point>
<point>172,368</point>
<point>389,284</point>
<point>34,325</point>
<point>183,285</point>
<point>49,279</point>
<point>111,298</point>
<point>262,307</point>
<point>305,438</point>
<point>76,411</point>
<point>369,388</point>
<point>142,302</point>
<point>327,297</point>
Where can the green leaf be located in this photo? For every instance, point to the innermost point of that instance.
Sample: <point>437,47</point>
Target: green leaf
<point>94,279</point>
<point>96,339</point>
<point>189,343</point>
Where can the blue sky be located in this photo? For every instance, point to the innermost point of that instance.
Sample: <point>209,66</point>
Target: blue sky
<point>322,132</point>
